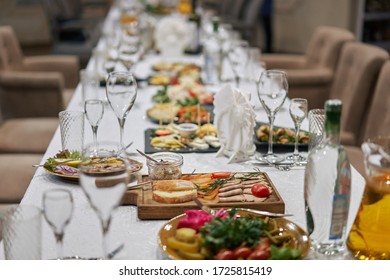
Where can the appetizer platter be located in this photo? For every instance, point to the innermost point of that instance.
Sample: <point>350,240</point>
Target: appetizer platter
<point>167,73</point>
<point>165,113</point>
<point>183,138</point>
<point>165,199</point>
<point>65,165</point>
<point>199,235</point>
<point>284,138</point>
<point>186,93</point>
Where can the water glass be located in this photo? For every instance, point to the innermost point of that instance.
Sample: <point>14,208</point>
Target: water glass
<point>22,233</point>
<point>72,130</point>
<point>316,127</point>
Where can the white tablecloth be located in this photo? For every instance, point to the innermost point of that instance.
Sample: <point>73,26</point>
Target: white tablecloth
<point>83,236</point>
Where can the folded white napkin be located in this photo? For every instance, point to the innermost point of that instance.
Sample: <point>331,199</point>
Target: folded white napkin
<point>234,119</point>
<point>172,35</point>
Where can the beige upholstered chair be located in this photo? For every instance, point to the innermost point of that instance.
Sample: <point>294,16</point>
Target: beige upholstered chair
<point>37,86</point>
<point>16,172</point>
<point>31,95</point>
<point>27,135</point>
<point>377,120</point>
<point>310,75</point>
<point>355,79</point>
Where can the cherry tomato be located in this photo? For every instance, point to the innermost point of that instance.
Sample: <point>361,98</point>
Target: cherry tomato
<point>259,255</point>
<point>242,252</point>
<point>264,245</point>
<point>260,190</point>
<point>225,254</point>
<point>220,175</point>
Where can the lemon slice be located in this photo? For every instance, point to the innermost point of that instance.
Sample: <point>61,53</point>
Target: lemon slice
<point>68,161</point>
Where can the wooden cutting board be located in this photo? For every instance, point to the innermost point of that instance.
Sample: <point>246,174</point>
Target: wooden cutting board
<point>148,209</point>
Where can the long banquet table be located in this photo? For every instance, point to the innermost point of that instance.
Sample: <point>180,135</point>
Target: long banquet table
<point>83,236</point>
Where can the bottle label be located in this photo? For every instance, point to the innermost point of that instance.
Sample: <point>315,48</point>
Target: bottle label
<point>339,216</point>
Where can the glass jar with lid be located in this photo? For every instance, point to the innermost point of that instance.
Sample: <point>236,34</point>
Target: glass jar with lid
<point>166,167</point>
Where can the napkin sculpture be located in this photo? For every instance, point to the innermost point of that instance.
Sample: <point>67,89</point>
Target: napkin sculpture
<point>234,119</point>
<point>172,35</point>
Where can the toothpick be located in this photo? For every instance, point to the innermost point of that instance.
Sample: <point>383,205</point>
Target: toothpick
<point>208,122</point>
<point>198,114</point>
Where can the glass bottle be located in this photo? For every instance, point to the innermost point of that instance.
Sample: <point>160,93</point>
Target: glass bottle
<point>369,238</point>
<point>213,56</point>
<point>194,21</point>
<point>327,189</point>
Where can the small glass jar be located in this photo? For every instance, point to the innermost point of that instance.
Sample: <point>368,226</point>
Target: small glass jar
<point>167,167</point>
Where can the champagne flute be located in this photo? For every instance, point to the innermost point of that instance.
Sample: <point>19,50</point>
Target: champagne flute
<point>104,175</point>
<point>121,91</point>
<point>272,91</point>
<point>94,110</point>
<point>57,210</point>
<point>298,112</point>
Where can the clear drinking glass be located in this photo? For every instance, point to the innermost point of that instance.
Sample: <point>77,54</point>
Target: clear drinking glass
<point>57,210</point>
<point>121,90</point>
<point>238,56</point>
<point>94,110</point>
<point>104,175</point>
<point>272,91</point>
<point>298,112</point>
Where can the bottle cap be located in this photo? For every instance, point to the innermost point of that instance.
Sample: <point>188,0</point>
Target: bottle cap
<point>333,105</point>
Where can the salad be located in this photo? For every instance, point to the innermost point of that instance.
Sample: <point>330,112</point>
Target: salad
<point>64,162</point>
<point>227,235</point>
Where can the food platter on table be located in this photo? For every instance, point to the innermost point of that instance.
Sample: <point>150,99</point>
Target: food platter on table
<point>167,73</point>
<point>284,138</point>
<point>165,113</point>
<point>294,245</point>
<point>66,164</point>
<point>252,189</point>
<point>183,138</point>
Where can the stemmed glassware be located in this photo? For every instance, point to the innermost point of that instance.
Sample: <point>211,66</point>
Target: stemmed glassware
<point>94,110</point>
<point>104,175</point>
<point>57,210</point>
<point>298,112</point>
<point>272,91</point>
<point>238,56</point>
<point>121,91</point>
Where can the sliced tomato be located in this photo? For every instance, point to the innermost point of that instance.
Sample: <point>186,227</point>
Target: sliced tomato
<point>208,99</point>
<point>225,254</point>
<point>192,94</point>
<point>220,175</point>
<point>163,132</point>
<point>260,190</point>
<point>242,252</point>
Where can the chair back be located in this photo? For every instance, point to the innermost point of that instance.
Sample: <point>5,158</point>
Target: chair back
<point>11,55</point>
<point>378,116</point>
<point>251,12</point>
<point>325,46</point>
<point>354,82</point>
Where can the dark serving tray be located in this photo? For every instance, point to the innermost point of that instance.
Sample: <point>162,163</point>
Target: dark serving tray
<point>277,147</point>
<point>149,149</point>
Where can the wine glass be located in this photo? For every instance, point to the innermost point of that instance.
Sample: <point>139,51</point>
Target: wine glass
<point>94,110</point>
<point>121,91</point>
<point>104,175</point>
<point>272,91</point>
<point>298,112</point>
<point>57,210</point>
<point>238,57</point>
